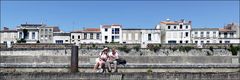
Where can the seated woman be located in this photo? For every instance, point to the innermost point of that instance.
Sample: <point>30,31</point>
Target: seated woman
<point>100,61</point>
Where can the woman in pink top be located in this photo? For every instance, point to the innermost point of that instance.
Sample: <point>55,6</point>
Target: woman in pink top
<point>100,61</point>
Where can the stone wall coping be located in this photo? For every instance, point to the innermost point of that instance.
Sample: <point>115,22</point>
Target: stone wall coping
<point>128,65</point>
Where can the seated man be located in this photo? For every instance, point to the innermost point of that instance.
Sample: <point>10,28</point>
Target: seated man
<point>112,60</point>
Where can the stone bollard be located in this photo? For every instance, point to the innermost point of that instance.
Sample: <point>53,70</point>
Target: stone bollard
<point>74,59</point>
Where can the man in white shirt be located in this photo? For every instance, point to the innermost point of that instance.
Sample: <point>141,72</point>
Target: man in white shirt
<point>112,60</point>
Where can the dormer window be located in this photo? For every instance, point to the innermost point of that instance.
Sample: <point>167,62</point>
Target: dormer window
<point>180,26</point>
<point>175,27</point>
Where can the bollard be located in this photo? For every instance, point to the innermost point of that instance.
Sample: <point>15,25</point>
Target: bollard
<point>74,59</point>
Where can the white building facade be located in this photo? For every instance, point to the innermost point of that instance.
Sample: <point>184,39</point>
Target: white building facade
<point>86,36</point>
<point>8,36</point>
<point>61,38</point>
<point>111,33</point>
<point>175,31</point>
<point>32,34</point>
<point>205,35</point>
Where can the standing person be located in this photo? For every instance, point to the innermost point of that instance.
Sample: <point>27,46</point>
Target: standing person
<point>100,61</point>
<point>112,60</point>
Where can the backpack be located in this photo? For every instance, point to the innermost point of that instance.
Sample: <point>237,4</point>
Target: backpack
<point>121,61</point>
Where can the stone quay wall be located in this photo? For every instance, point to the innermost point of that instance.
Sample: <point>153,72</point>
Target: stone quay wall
<point>132,52</point>
<point>123,76</point>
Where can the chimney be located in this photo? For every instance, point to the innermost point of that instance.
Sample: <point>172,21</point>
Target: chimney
<point>190,22</point>
<point>182,20</point>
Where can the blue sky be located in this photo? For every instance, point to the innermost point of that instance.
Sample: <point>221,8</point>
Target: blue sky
<point>72,15</point>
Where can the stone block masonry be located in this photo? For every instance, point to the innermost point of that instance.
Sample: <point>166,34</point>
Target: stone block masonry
<point>123,76</point>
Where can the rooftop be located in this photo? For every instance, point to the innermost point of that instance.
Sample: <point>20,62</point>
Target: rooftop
<point>225,30</point>
<point>109,26</point>
<point>87,30</point>
<point>168,22</point>
<point>205,29</point>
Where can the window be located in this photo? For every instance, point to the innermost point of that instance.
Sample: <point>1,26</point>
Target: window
<point>231,35</point>
<point>50,36</point>
<point>175,27</point>
<point>116,30</point>
<point>113,31</point>
<point>45,35</point>
<point>116,37</point>
<point>136,36</point>
<point>106,37</point>
<point>72,36</point>
<point>201,34</point>
<point>20,35</point>
<point>91,35</point>
<point>186,27</point>
<point>227,41</point>
<point>169,27</point>
<point>186,41</point>
<point>225,35</point>
<point>27,36</point>
<point>196,34</point>
<point>106,29</point>
<point>78,36</point>
<point>172,42</point>
<point>149,37</point>
<point>186,34</point>
<point>220,41</point>
<point>46,31</point>
<point>208,34</point>
<point>124,36</point>
<point>66,40</point>
<point>214,34</point>
<point>5,42</point>
<point>129,36</point>
<point>98,35</point>
<point>41,36</point>
<point>113,38</point>
<point>85,36</point>
<point>196,41</point>
<point>50,30</point>
<point>180,26</point>
<point>180,41</point>
<point>202,41</point>
<point>208,41</point>
<point>33,35</point>
<point>59,41</point>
